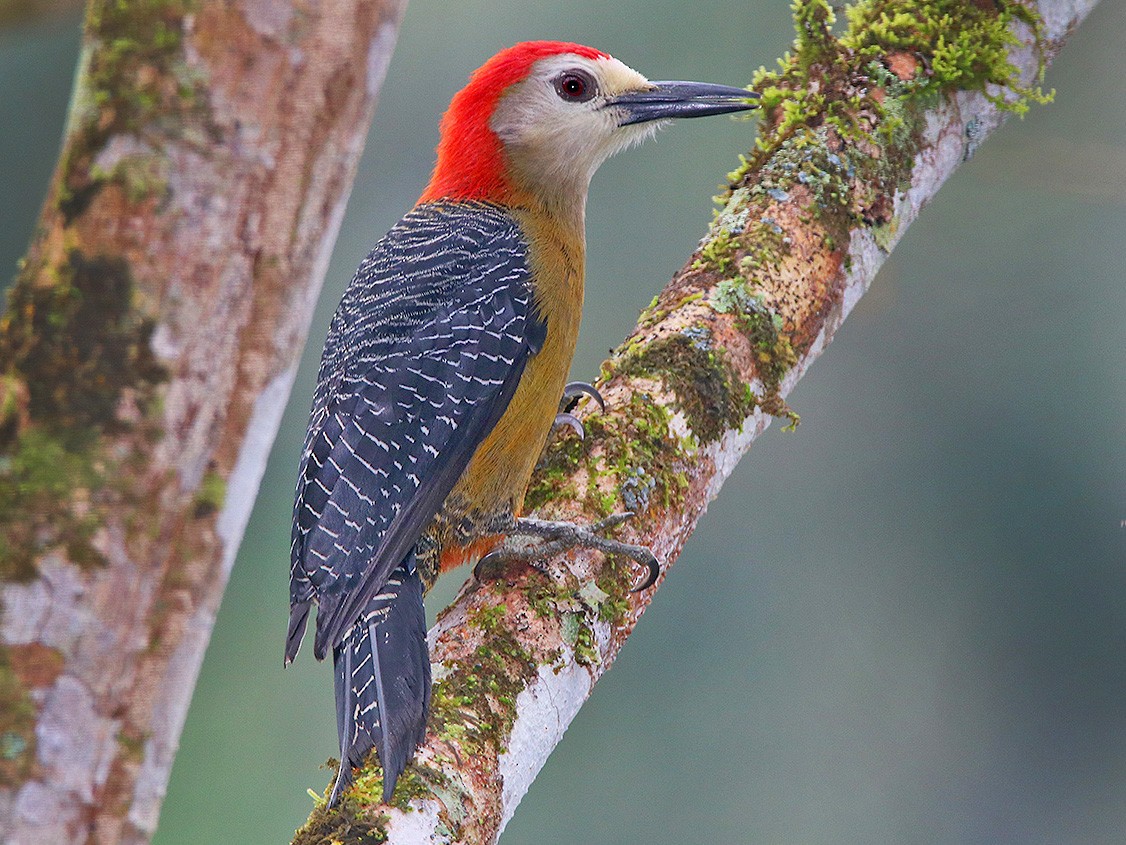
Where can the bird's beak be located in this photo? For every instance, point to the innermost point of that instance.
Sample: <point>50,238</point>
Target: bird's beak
<point>681,99</point>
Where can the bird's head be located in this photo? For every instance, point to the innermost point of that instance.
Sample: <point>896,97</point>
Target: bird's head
<point>537,119</point>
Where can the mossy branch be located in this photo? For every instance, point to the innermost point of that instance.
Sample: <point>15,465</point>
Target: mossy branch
<point>859,130</point>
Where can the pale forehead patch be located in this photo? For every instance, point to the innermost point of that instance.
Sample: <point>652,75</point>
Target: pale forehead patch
<point>618,77</point>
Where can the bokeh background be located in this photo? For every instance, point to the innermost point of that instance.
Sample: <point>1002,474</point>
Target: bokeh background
<point>906,622</point>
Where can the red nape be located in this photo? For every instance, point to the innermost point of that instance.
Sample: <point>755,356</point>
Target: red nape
<point>470,162</point>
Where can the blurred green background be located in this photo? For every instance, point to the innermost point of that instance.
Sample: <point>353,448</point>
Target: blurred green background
<point>904,623</point>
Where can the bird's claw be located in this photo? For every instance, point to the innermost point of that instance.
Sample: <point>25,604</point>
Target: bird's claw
<point>571,393</point>
<point>653,570</point>
<point>574,389</point>
<point>571,421</point>
<point>487,562</point>
<point>561,536</point>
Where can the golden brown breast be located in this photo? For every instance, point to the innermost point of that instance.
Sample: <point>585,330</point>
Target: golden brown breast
<point>498,473</point>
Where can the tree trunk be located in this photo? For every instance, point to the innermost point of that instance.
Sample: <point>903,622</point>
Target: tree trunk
<point>148,349</point>
<point>15,12</point>
<point>859,132</point>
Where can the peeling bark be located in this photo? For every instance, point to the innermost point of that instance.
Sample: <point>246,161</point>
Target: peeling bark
<point>146,356</point>
<point>858,135</point>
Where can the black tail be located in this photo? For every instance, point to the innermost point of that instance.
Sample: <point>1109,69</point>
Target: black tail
<point>382,669</point>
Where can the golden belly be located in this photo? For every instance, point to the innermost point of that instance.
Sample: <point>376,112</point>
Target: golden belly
<point>496,478</point>
<point>502,465</point>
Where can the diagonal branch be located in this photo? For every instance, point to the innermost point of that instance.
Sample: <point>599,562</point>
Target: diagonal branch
<point>860,131</point>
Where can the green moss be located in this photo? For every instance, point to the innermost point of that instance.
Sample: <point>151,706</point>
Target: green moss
<point>142,175</point>
<point>474,703</point>
<point>17,726</point>
<point>655,311</point>
<point>813,20</point>
<point>45,484</point>
<point>132,745</point>
<point>584,642</point>
<point>791,108</point>
<point>79,550</point>
<point>552,479</point>
<point>546,597</point>
<point>774,354</point>
<point>345,824</point>
<point>414,782</point>
<point>356,818</point>
<point>964,45</point>
<point>137,43</point>
<point>613,610</point>
<point>957,44</point>
<point>42,467</point>
<point>842,117</point>
<point>934,46</point>
<point>642,440</point>
<point>885,233</point>
<point>211,494</point>
<point>716,254</point>
<point>901,96</point>
<point>78,341</point>
<point>708,390</point>
<point>576,607</point>
<point>72,344</point>
<point>13,406</point>
<point>135,81</point>
<point>627,458</point>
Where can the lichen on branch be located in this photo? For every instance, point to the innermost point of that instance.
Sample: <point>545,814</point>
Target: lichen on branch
<point>841,123</point>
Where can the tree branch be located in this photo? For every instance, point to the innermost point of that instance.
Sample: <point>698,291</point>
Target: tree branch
<point>859,132</point>
<point>146,355</point>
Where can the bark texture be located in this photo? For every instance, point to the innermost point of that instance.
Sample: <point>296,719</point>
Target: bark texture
<point>146,356</point>
<point>858,133</point>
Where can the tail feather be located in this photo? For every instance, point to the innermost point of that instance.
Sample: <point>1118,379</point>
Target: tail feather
<point>298,616</point>
<point>382,671</point>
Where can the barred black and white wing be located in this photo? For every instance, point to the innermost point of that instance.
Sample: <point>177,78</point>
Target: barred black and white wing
<point>423,355</point>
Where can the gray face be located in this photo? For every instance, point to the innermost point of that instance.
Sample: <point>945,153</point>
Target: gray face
<point>560,123</point>
<point>571,113</point>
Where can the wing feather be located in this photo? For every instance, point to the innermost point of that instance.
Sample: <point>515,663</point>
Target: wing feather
<point>423,356</point>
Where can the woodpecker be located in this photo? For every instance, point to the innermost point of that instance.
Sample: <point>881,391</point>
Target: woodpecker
<point>443,370</point>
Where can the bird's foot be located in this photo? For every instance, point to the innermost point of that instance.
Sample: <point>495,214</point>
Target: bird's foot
<point>556,537</point>
<point>571,394</point>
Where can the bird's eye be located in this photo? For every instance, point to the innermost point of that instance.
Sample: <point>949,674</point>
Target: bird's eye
<point>575,86</point>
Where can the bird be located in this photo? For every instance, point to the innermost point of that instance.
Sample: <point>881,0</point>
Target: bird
<point>443,371</point>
